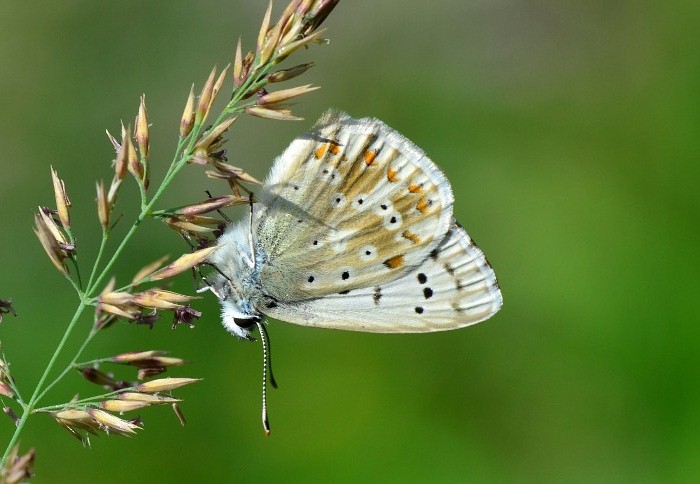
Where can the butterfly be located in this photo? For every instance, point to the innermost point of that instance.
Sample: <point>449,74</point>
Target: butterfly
<point>353,229</point>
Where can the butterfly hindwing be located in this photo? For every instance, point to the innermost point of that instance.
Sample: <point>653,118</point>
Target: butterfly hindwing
<point>454,287</point>
<point>352,204</point>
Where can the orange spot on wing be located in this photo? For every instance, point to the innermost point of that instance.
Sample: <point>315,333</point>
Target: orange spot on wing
<point>411,236</point>
<point>334,149</point>
<point>422,205</point>
<point>320,151</point>
<point>369,157</point>
<point>394,262</point>
<point>391,175</point>
<point>413,188</point>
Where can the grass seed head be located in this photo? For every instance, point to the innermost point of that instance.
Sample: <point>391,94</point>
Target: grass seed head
<point>165,384</point>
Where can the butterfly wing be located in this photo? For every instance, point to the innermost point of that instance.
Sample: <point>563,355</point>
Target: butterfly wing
<point>351,204</point>
<point>454,287</point>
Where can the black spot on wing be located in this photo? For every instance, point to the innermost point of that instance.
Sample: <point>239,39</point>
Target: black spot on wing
<point>377,295</point>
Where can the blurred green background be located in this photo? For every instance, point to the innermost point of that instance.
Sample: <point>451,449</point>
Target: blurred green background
<point>569,131</point>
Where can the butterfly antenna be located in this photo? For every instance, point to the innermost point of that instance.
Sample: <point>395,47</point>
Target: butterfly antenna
<point>223,215</point>
<point>250,230</point>
<point>273,382</point>
<point>208,286</point>
<point>264,339</point>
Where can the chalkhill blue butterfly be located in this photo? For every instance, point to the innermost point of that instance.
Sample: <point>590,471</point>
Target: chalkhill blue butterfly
<point>353,229</point>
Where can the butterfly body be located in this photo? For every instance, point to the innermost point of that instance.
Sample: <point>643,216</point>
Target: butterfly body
<point>353,230</point>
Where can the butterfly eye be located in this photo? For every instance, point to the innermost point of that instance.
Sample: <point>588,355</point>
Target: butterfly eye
<point>246,322</point>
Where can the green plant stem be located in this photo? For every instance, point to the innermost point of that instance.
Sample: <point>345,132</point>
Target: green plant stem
<point>29,408</point>
<point>98,259</point>
<point>12,383</point>
<point>79,286</point>
<point>82,401</point>
<point>39,391</point>
<point>145,210</point>
<point>75,286</point>
<point>70,365</point>
<point>83,364</point>
<point>182,154</point>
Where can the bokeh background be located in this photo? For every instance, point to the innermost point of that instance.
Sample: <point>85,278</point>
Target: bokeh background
<point>570,133</point>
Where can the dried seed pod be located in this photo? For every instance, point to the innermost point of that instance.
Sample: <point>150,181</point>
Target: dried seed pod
<point>117,311</point>
<point>119,298</point>
<point>238,66</point>
<point>211,205</point>
<point>141,131</point>
<point>217,85</point>
<point>122,405</point>
<point>104,208</point>
<point>76,421</point>
<point>144,373</point>
<point>50,244</point>
<point>319,12</point>
<point>165,384</point>
<point>187,120</point>
<point>278,114</point>
<point>53,227</point>
<point>13,416</point>
<point>146,359</point>
<point>183,226</point>
<point>63,203</point>
<point>288,49</point>
<point>133,356</point>
<point>147,398</point>
<point>205,98</point>
<point>291,73</point>
<point>232,172</point>
<point>264,26</point>
<point>183,263</point>
<point>270,44</point>
<point>121,161</point>
<point>172,296</point>
<point>285,94</point>
<point>178,413</point>
<point>17,468</point>
<point>213,139</point>
<point>146,270</point>
<point>109,287</point>
<point>103,379</point>
<point>134,163</point>
<point>112,423</point>
<point>6,390</point>
<point>149,300</point>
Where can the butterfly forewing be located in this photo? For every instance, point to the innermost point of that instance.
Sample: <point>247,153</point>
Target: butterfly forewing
<point>353,204</point>
<point>454,287</point>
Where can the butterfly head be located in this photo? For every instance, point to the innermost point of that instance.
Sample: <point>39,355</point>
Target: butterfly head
<point>237,283</point>
<point>237,322</point>
<point>237,314</point>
